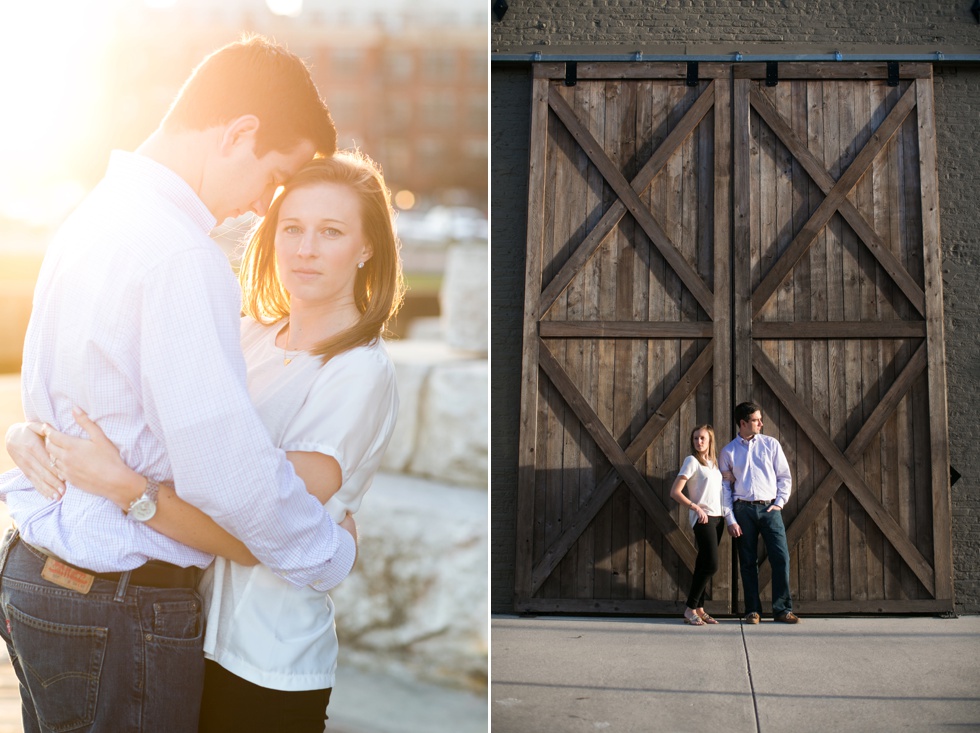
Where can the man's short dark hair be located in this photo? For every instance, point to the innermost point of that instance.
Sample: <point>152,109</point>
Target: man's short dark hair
<point>743,411</point>
<point>258,77</point>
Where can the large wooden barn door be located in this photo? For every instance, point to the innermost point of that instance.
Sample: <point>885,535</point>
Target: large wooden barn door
<point>839,325</point>
<point>627,340</point>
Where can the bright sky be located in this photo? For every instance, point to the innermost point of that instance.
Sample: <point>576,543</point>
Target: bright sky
<point>53,63</point>
<point>49,69</point>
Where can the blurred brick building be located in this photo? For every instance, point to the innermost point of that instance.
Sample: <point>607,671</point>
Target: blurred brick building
<point>406,83</point>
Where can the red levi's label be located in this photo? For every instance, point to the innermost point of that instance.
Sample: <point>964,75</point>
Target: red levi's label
<point>57,572</point>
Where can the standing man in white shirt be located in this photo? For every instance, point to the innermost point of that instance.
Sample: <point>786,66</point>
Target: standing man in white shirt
<point>753,504</point>
<point>136,321</point>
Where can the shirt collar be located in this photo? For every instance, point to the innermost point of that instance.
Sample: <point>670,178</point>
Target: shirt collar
<point>165,181</point>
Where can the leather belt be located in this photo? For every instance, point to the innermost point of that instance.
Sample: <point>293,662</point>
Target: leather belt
<point>155,573</point>
<point>760,502</point>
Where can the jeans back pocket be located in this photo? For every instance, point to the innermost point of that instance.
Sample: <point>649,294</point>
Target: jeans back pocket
<point>62,664</point>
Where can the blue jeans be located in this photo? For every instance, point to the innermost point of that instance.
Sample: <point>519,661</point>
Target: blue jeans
<point>116,659</point>
<point>755,519</point>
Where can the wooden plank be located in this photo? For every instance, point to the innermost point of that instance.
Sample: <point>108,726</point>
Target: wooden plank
<point>819,360</point>
<point>547,458</point>
<point>853,131</point>
<point>617,456</point>
<point>886,220</point>
<point>529,358</point>
<point>551,460</point>
<point>852,478</point>
<point>830,204</point>
<point>912,506</point>
<point>615,213</point>
<point>640,288</point>
<point>938,425</point>
<point>855,218</point>
<point>843,70</point>
<point>623,413</point>
<point>839,560</point>
<point>593,108</point>
<point>624,606</point>
<point>805,562</point>
<point>578,473</point>
<point>722,238</point>
<point>658,362</point>
<point>871,116</point>
<point>607,263</point>
<point>633,204</point>
<point>741,239</point>
<point>632,329</point>
<point>674,608</point>
<point>653,139</point>
<point>838,329</point>
<point>720,186</point>
<point>820,608</point>
<point>611,480</point>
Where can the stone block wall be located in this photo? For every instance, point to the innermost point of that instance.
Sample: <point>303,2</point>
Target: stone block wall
<point>725,26</point>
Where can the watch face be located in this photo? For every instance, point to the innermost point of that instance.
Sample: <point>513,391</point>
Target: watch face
<point>143,510</point>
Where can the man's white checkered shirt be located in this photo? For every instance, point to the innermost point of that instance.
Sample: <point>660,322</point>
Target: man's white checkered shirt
<point>136,321</point>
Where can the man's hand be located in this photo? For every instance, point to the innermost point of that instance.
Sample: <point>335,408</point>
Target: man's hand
<point>774,508</point>
<point>734,530</point>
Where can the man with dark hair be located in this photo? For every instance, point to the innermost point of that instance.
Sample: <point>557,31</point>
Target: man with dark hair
<point>136,321</point>
<point>756,486</point>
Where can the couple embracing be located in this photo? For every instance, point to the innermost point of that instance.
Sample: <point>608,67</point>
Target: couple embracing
<point>746,487</point>
<point>187,475</point>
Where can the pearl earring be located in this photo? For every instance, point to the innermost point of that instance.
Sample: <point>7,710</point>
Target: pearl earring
<point>360,265</point>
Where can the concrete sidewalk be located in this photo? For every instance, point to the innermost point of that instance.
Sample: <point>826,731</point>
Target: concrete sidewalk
<point>562,675</point>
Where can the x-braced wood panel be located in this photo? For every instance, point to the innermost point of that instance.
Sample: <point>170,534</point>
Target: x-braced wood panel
<point>838,325</point>
<point>627,330</point>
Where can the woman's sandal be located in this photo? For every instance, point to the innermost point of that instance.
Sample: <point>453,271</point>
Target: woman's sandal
<point>696,621</point>
<point>705,617</point>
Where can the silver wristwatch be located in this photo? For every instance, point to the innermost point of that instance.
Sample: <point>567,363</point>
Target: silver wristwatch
<point>143,509</point>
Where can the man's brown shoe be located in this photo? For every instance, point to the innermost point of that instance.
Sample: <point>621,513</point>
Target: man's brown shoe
<point>787,618</point>
<point>751,618</point>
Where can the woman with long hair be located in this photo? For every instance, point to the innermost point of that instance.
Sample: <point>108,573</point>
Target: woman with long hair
<point>700,475</point>
<point>321,277</point>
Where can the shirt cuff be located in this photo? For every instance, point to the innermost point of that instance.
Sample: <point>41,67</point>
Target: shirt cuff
<point>340,565</point>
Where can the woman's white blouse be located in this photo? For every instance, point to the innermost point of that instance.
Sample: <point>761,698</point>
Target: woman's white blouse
<point>259,626</point>
<point>703,487</point>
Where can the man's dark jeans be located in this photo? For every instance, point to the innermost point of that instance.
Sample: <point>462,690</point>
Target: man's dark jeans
<point>115,659</point>
<point>755,519</point>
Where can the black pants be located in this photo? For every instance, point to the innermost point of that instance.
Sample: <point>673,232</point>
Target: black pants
<point>234,705</point>
<point>707,537</point>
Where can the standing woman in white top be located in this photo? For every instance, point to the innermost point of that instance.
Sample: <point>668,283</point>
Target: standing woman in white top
<point>321,277</point>
<point>700,474</point>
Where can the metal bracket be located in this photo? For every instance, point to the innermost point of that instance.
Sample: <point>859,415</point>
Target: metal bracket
<point>893,73</point>
<point>571,73</point>
<point>954,475</point>
<point>772,73</point>
<point>499,8</point>
<point>692,73</point>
